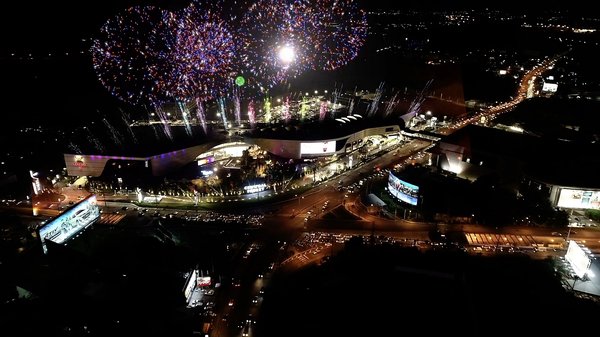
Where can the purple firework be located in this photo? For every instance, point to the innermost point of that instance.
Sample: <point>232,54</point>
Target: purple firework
<point>340,30</point>
<point>204,53</point>
<point>133,54</point>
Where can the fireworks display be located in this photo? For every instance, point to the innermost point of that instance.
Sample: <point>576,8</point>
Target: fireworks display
<point>133,54</point>
<point>149,56</point>
<point>340,30</point>
<point>204,53</point>
<point>273,39</point>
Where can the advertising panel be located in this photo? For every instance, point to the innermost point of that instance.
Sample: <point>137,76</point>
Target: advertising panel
<point>317,147</point>
<point>570,198</point>
<point>190,285</point>
<point>402,190</point>
<point>550,87</point>
<point>578,259</point>
<point>204,281</point>
<point>70,222</point>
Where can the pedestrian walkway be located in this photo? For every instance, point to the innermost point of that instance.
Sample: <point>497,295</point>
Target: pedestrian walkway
<point>500,239</point>
<point>110,219</point>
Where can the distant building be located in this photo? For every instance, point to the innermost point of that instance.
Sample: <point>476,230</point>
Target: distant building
<point>565,169</point>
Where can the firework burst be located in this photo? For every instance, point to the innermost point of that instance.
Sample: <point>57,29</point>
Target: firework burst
<point>339,32</point>
<point>133,54</point>
<point>273,36</point>
<point>205,52</point>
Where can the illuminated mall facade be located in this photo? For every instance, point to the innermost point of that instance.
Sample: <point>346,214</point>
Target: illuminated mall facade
<point>160,164</point>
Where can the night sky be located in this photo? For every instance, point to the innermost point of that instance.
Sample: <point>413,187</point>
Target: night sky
<point>52,85</point>
<point>34,24</point>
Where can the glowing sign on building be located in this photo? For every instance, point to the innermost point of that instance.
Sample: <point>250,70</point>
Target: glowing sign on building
<point>204,281</point>
<point>79,161</point>
<point>255,188</point>
<point>317,147</point>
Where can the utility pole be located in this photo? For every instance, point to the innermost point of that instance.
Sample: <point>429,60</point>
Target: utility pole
<point>568,235</point>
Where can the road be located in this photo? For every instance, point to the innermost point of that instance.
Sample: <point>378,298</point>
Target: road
<point>250,270</point>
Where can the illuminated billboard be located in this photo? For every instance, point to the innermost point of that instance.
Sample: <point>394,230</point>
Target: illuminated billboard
<point>190,285</point>
<point>317,147</point>
<point>578,259</point>
<point>570,198</point>
<point>204,281</point>
<point>255,188</point>
<point>402,190</point>
<point>550,87</point>
<point>70,222</point>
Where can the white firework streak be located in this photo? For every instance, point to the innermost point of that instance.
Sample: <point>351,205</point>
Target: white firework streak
<point>351,107</point>
<point>125,119</point>
<point>251,114</point>
<point>375,104</point>
<point>94,140</point>
<point>201,114</point>
<point>391,105</point>
<point>237,106</point>
<point>415,105</point>
<point>164,121</point>
<point>221,104</point>
<point>185,115</point>
<point>74,147</point>
<point>114,134</point>
<point>336,94</point>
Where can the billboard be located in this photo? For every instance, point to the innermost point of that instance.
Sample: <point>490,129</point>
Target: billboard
<point>549,87</point>
<point>570,198</point>
<point>578,259</point>
<point>70,222</point>
<point>204,281</point>
<point>402,190</point>
<point>190,285</point>
<point>317,147</point>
